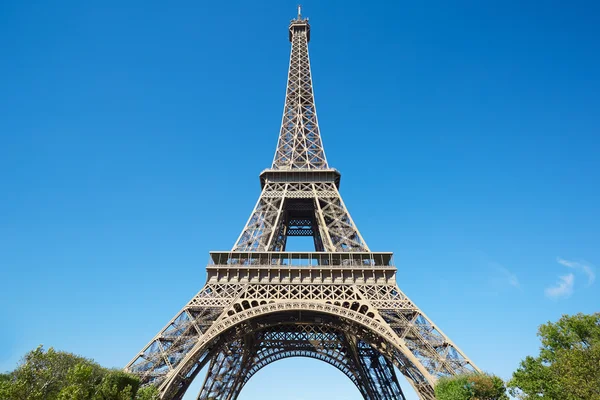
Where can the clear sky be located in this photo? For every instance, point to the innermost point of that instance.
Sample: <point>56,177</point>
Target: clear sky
<point>132,135</point>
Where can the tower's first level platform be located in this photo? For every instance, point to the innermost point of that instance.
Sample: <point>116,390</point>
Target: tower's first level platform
<point>301,267</point>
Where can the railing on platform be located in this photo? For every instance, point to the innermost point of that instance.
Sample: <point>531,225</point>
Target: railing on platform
<point>300,259</point>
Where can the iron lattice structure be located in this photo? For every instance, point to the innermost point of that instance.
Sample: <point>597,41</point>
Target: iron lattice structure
<point>339,304</point>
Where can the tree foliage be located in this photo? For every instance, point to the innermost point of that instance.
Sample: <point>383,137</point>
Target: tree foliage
<point>148,393</point>
<point>568,366</point>
<point>471,387</point>
<point>57,375</point>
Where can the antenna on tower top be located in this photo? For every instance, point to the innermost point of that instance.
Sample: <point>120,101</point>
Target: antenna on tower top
<point>299,11</point>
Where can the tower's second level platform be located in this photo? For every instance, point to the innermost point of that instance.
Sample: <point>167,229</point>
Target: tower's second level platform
<point>300,175</point>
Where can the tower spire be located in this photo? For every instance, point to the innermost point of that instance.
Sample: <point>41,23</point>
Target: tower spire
<point>299,145</point>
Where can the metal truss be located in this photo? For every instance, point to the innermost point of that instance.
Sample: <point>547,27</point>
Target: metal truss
<point>226,323</point>
<point>247,353</point>
<point>318,206</point>
<point>299,145</point>
<point>339,304</point>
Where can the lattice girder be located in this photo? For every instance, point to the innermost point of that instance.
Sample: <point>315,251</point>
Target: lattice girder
<point>399,331</point>
<point>331,224</point>
<point>299,145</point>
<point>264,346</point>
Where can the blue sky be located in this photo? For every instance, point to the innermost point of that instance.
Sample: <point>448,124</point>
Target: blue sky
<point>132,136</point>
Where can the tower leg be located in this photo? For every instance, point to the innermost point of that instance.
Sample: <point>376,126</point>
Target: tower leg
<point>381,374</point>
<point>376,372</point>
<point>223,370</point>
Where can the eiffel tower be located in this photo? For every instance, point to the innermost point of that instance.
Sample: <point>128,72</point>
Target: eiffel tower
<point>339,304</point>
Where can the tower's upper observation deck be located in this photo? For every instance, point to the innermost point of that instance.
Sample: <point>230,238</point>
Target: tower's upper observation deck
<point>300,24</point>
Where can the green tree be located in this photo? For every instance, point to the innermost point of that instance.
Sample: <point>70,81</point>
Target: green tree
<point>117,385</point>
<point>5,384</point>
<point>82,381</point>
<point>148,393</point>
<point>57,375</point>
<point>40,375</point>
<point>568,366</point>
<point>471,387</point>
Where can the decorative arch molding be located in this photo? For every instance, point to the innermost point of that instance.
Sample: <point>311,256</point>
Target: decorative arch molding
<point>282,355</point>
<point>244,353</point>
<point>388,390</point>
<point>377,334</point>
